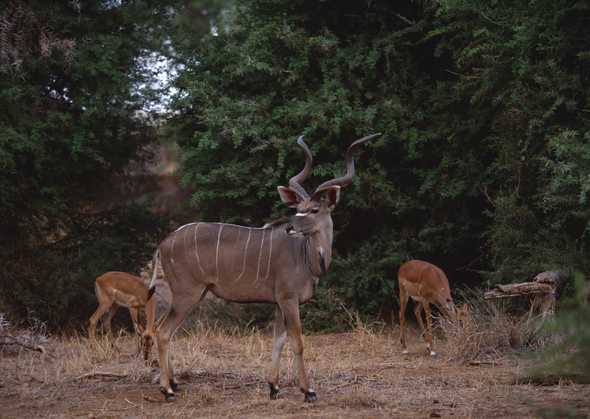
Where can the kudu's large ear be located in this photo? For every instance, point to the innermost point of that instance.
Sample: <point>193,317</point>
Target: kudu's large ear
<point>330,195</point>
<point>289,196</point>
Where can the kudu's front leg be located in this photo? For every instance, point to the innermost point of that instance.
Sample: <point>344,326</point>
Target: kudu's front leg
<point>290,309</point>
<point>278,341</point>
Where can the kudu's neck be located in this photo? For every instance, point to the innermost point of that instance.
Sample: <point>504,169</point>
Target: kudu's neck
<point>318,249</point>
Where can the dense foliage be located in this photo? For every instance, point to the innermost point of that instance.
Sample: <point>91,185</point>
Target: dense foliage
<point>483,166</point>
<point>567,356</point>
<point>71,78</point>
<point>484,162</point>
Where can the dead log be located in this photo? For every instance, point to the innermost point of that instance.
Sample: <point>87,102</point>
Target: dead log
<point>552,379</point>
<point>549,283</point>
<point>7,340</point>
<point>98,374</point>
<point>515,290</point>
<point>542,292</point>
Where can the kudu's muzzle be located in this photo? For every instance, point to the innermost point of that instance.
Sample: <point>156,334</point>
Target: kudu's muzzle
<point>301,224</point>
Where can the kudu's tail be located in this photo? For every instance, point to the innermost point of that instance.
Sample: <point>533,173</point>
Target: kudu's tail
<point>155,263</point>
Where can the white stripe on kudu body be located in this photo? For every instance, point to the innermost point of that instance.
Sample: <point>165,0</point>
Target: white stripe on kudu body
<point>244,257</point>
<point>269,258</point>
<point>260,255</point>
<point>297,253</point>
<point>197,249</point>
<point>217,252</point>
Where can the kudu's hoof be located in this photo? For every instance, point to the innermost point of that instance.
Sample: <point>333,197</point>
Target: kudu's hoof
<point>173,385</point>
<point>310,396</point>
<point>274,391</point>
<point>170,397</point>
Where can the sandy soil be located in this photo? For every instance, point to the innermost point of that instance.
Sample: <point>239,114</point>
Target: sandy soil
<point>359,374</point>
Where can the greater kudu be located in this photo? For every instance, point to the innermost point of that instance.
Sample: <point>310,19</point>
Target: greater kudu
<point>279,264</point>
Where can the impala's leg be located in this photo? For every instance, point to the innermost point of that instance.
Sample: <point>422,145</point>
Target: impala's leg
<point>104,303</point>
<point>134,313</point>
<point>182,304</point>
<point>103,307</point>
<point>428,335</point>
<point>290,309</point>
<point>279,339</point>
<point>109,319</point>
<point>403,301</point>
<point>418,314</point>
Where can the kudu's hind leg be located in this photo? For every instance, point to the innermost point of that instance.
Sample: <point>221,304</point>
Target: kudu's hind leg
<point>279,339</point>
<point>182,304</point>
<point>290,309</point>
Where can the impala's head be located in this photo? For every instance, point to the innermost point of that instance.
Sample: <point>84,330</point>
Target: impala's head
<point>444,301</point>
<point>313,212</point>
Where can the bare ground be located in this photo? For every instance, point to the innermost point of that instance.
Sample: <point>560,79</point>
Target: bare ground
<point>358,374</point>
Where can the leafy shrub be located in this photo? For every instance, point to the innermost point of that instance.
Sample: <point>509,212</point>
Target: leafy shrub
<point>569,357</point>
<point>55,282</point>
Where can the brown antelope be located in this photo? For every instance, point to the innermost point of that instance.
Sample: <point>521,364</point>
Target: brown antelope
<point>115,289</point>
<point>279,264</point>
<point>426,284</point>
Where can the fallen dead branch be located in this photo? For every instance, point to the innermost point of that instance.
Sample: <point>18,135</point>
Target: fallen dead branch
<point>100,374</point>
<point>542,292</point>
<point>515,290</point>
<point>131,403</point>
<point>154,400</point>
<point>552,379</point>
<point>233,387</point>
<point>6,340</point>
<point>477,363</point>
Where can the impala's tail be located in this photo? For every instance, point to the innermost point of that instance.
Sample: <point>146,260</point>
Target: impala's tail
<point>155,263</point>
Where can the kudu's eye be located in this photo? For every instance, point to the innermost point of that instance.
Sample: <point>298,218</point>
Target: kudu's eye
<point>315,210</point>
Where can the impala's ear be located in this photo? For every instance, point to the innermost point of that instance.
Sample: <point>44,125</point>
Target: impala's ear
<point>289,196</point>
<point>330,195</point>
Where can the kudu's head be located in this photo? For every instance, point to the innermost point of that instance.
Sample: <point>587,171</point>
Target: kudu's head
<point>313,212</point>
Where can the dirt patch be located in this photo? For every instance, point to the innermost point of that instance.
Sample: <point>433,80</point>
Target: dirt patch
<point>356,374</point>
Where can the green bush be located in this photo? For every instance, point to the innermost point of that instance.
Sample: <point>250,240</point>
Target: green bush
<point>55,282</point>
<point>569,357</point>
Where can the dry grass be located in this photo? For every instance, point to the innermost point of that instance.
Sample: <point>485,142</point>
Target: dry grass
<point>487,334</point>
<point>490,333</point>
<point>357,374</point>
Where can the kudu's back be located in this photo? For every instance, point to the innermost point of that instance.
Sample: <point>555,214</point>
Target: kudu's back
<point>234,262</point>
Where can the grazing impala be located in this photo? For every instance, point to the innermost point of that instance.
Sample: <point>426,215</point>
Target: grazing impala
<point>278,264</point>
<point>115,289</point>
<point>426,284</point>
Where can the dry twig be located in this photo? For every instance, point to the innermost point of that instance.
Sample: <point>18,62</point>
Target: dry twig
<point>100,374</point>
<point>6,340</point>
